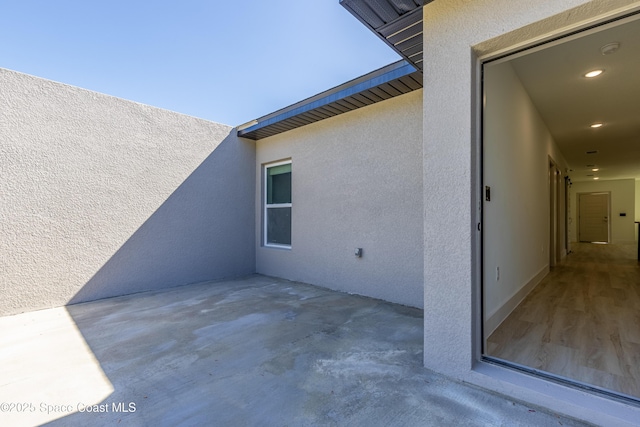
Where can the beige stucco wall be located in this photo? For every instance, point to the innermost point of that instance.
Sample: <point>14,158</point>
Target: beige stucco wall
<point>356,182</point>
<point>456,33</point>
<point>102,196</point>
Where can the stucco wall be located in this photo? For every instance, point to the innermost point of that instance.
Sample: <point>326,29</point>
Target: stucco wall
<point>622,193</point>
<point>456,33</point>
<point>517,146</point>
<point>356,182</point>
<point>103,197</point>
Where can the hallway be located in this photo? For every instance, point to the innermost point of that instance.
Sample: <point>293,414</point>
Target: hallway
<point>582,321</point>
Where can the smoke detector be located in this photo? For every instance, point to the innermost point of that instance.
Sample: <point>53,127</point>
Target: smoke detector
<point>610,48</point>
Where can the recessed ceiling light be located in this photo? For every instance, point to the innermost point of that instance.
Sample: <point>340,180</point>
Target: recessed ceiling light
<point>596,125</point>
<point>594,73</point>
<point>595,170</point>
<point>596,177</point>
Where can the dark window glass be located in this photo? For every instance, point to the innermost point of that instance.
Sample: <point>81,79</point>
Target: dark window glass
<point>279,184</point>
<point>279,226</point>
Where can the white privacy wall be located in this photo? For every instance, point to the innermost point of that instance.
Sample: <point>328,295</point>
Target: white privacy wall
<point>455,33</point>
<point>103,197</point>
<point>622,200</point>
<point>356,182</point>
<point>517,147</point>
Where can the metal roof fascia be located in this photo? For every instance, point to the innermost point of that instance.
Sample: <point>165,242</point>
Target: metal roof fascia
<point>392,26</point>
<point>404,22</point>
<point>366,24</point>
<point>359,16</point>
<point>398,70</point>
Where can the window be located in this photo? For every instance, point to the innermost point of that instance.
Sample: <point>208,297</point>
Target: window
<point>277,207</point>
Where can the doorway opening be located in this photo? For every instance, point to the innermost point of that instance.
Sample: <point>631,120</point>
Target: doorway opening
<point>559,136</point>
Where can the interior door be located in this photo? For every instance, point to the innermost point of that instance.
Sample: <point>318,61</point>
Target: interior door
<point>594,217</point>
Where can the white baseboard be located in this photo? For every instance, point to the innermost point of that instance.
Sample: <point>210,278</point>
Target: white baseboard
<point>502,312</point>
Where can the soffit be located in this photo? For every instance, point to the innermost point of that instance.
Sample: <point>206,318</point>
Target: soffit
<point>393,80</point>
<point>397,22</point>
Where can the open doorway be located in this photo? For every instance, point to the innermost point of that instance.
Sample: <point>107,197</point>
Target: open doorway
<point>560,129</point>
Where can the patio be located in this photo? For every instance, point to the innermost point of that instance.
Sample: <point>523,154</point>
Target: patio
<point>244,352</point>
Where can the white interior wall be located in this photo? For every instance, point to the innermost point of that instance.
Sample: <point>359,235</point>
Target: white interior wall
<point>517,147</point>
<point>357,183</point>
<point>103,197</point>
<point>623,200</point>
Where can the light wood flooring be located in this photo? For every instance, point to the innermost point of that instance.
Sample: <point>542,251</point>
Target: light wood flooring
<point>582,321</point>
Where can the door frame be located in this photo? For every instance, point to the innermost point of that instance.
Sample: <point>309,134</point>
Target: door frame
<point>501,372</point>
<point>556,214</point>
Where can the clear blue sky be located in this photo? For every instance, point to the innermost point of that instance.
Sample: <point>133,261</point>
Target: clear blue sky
<point>225,61</point>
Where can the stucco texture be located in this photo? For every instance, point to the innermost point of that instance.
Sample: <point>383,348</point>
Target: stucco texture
<point>357,183</point>
<point>103,197</point>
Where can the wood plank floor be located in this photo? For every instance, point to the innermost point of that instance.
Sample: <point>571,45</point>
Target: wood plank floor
<point>582,321</point>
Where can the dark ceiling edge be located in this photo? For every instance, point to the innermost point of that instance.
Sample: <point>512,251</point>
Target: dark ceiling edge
<point>377,31</point>
<point>372,80</point>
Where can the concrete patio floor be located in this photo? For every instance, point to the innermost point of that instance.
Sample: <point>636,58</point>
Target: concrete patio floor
<point>256,351</point>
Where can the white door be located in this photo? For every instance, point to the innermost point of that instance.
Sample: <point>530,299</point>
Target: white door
<point>594,217</point>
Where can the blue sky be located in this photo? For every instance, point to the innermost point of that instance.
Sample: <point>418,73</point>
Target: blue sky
<point>225,61</point>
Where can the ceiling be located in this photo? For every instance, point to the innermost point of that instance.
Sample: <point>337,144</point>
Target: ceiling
<point>569,102</point>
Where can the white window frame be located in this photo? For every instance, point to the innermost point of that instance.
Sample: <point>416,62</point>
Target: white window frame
<point>273,205</point>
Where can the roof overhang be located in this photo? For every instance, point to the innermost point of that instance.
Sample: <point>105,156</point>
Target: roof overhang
<point>397,22</point>
<point>393,80</point>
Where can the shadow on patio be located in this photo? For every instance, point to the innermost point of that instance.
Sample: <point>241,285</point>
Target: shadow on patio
<point>265,351</point>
